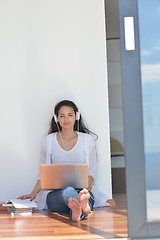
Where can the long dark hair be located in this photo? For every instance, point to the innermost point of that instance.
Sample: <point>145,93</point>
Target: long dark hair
<point>54,126</point>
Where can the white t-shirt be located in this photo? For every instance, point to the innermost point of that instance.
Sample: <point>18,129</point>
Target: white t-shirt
<point>84,151</point>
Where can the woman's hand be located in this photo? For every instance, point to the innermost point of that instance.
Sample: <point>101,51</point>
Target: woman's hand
<point>89,188</point>
<point>30,196</point>
<point>34,192</point>
<point>90,182</point>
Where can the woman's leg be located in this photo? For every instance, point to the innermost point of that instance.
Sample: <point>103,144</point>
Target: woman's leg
<point>91,201</point>
<point>86,201</point>
<point>76,210</point>
<point>70,196</point>
<point>68,200</point>
<point>57,200</point>
<point>81,207</point>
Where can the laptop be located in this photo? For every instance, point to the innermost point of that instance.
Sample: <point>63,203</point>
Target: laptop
<point>58,176</point>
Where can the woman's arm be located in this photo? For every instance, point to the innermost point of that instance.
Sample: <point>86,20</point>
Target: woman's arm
<point>90,182</point>
<point>34,192</point>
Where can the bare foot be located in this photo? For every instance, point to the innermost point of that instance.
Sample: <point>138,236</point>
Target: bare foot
<point>111,203</point>
<point>83,198</point>
<point>74,205</point>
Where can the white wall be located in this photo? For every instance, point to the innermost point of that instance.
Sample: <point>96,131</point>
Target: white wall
<point>49,50</point>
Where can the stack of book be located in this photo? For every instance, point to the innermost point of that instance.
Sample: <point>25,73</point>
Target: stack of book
<point>20,207</point>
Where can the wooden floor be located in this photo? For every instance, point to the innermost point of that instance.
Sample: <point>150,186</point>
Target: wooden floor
<point>104,223</point>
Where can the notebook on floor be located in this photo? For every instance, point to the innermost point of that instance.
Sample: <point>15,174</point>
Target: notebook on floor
<point>58,176</point>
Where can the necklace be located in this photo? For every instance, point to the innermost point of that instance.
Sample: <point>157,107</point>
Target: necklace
<point>69,138</point>
<point>66,141</point>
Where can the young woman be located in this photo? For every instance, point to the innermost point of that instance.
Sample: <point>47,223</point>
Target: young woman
<point>69,140</point>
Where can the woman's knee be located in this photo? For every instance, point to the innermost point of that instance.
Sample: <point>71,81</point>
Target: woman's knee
<point>69,192</point>
<point>55,202</point>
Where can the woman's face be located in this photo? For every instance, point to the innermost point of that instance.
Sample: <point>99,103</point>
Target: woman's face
<point>66,117</point>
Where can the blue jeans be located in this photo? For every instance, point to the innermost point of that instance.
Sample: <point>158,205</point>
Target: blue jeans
<point>57,200</point>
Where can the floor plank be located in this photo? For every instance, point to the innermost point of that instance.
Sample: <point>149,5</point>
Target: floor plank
<point>104,223</point>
